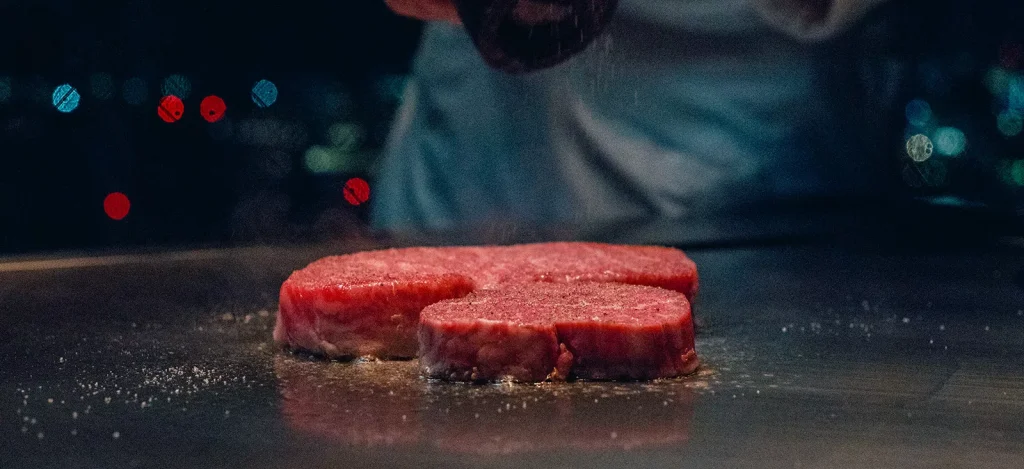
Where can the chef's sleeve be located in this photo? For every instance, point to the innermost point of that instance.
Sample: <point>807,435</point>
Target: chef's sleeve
<point>814,20</point>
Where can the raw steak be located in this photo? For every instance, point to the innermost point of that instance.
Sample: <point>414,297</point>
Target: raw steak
<point>570,262</point>
<point>364,304</point>
<point>368,303</point>
<point>539,331</point>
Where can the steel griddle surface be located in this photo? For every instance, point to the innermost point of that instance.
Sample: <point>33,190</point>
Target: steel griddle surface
<point>814,356</point>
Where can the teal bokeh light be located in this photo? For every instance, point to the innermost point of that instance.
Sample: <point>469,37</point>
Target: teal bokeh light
<point>264,93</point>
<point>949,141</point>
<point>66,98</point>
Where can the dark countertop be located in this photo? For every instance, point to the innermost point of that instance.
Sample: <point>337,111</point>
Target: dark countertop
<point>815,355</point>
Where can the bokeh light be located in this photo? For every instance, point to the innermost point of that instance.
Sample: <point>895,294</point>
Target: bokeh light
<point>1017,172</point>
<point>66,98</point>
<point>919,147</point>
<point>1015,93</point>
<point>170,109</point>
<point>919,112</point>
<point>1010,123</point>
<point>356,191</point>
<point>212,108</point>
<point>997,80</point>
<point>116,205</point>
<point>264,93</point>
<point>949,141</point>
<point>322,160</point>
<point>135,91</point>
<point>5,89</point>
<point>345,137</point>
<point>176,85</point>
<point>102,86</point>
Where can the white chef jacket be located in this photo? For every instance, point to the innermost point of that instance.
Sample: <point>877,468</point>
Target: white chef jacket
<point>683,108</point>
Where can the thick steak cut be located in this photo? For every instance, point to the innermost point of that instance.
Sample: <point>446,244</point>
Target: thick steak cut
<point>365,304</point>
<point>572,262</point>
<point>368,303</point>
<point>539,331</point>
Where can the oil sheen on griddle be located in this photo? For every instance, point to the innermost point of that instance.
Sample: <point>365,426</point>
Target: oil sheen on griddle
<point>519,36</point>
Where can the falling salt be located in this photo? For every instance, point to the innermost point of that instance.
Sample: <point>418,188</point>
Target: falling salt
<point>74,415</point>
<point>74,432</point>
<point>24,429</point>
<point>615,435</point>
<point>106,400</point>
<point>942,327</point>
<point>906,320</point>
<point>116,435</point>
<point>49,401</point>
<point>783,329</point>
<point>39,435</point>
<point>986,328</point>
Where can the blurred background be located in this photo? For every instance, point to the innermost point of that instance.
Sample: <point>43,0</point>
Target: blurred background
<point>165,123</point>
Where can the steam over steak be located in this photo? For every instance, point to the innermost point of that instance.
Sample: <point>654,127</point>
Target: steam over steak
<point>368,303</point>
<point>532,332</point>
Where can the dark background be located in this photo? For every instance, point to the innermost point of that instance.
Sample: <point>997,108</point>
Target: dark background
<point>276,174</point>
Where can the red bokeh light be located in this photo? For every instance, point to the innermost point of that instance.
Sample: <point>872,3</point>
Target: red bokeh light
<point>170,109</point>
<point>356,191</point>
<point>116,205</point>
<point>212,108</point>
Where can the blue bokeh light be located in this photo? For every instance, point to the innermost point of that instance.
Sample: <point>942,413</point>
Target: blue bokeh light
<point>919,112</point>
<point>66,98</point>
<point>264,93</point>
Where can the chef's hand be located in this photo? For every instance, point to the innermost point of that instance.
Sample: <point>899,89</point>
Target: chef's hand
<point>429,10</point>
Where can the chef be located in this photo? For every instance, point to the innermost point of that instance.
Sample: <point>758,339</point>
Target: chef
<point>682,108</point>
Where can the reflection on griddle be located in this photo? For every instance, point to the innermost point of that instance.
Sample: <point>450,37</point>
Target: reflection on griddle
<point>388,404</point>
<point>370,404</point>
